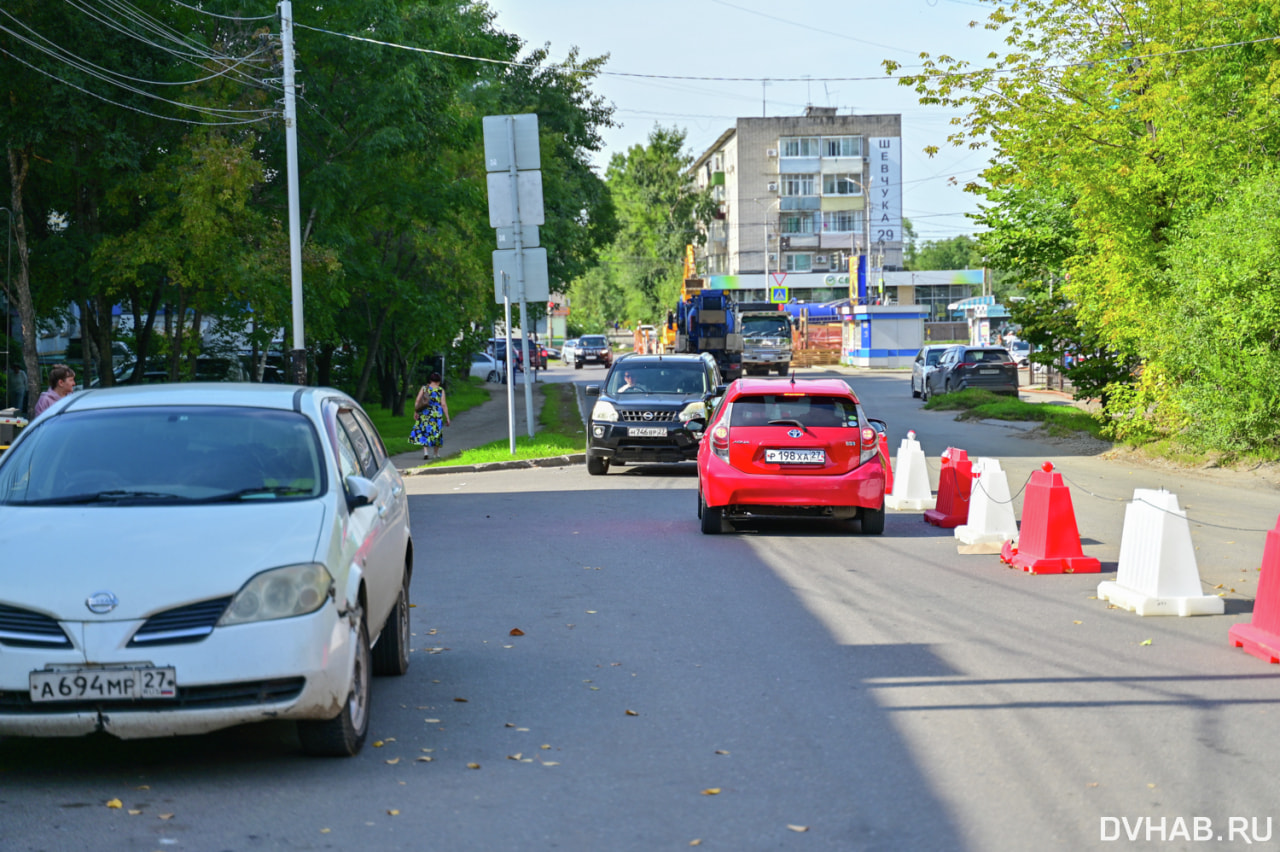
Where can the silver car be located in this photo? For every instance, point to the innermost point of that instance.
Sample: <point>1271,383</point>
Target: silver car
<point>180,558</point>
<point>926,360</point>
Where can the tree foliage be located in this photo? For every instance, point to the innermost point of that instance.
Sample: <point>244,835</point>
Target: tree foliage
<point>1112,125</point>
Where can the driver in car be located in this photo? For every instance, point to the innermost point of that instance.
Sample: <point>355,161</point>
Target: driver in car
<point>628,383</point>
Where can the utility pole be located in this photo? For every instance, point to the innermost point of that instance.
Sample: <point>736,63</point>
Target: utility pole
<point>298,354</point>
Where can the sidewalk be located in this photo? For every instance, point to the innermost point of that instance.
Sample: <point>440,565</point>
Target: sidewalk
<point>476,427</point>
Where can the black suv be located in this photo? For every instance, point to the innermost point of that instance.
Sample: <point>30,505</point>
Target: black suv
<point>651,409</point>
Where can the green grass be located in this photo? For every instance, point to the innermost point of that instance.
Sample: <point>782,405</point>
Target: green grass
<point>560,432</point>
<point>460,396</point>
<point>977,404</point>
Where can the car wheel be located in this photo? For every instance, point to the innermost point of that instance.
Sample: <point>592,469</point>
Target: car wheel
<point>391,654</point>
<point>699,505</point>
<point>712,518</point>
<point>597,466</point>
<point>494,376</point>
<point>343,735</point>
<point>873,521</point>
<point>577,365</point>
<point>915,394</point>
<point>783,369</point>
<point>924,392</point>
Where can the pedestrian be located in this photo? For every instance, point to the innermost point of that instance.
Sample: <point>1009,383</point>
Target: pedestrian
<point>62,381</point>
<point>432,416</point>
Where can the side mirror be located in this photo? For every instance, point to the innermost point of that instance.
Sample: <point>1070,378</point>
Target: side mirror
<point>360,492</point>
<point>592,390</point>
<point>697,424</point>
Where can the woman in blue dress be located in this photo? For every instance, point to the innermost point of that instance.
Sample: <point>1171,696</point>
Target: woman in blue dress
<point>433,416</point>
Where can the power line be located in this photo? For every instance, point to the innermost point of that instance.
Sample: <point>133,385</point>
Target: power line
<point>271,17</point>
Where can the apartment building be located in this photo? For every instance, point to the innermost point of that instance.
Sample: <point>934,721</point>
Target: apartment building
<point>802,200</point>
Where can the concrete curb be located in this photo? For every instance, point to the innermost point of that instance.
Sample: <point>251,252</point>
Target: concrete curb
<point>517,464</point>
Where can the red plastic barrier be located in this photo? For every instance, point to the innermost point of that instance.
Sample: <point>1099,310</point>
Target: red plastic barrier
<point>888,465</point>
<point>955,483</point>
<point>1048,539</point>
<point>1261,636</point>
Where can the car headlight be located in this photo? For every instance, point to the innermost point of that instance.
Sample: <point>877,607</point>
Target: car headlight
<point>692,410</point>
<point>604,411</point>
<point>279,593</point>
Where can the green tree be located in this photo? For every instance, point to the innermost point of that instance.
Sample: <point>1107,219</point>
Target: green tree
<point>1107,108</point>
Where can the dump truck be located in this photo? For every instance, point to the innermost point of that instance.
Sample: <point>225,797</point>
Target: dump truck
<point>766,337</point>
<point>706,321</point>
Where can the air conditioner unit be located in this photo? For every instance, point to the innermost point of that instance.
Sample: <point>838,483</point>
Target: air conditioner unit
<point>773,187</point>
<point>773,258</point>
<point>771,152</point>
<point>819,258</point>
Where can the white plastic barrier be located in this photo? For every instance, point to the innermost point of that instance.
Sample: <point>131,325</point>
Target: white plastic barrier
<point>991,518</point>
<point>1158,573</point>
<point>911,478</point>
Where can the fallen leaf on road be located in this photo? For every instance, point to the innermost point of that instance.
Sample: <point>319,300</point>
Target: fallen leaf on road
<point>393,812</point>
<point>134,812</point>
<point>165,816</point>
<point>1145,642</point>
<point>515,756</point>
<point>721,751</point>
<point>143,787</point>
<point>325,830</point>
<point>550,763</point>
<point>432,721</point>
<point>378,743</point>
<point>393,761</point>
<point>1077,622</point>
<point>473,766</point>
<point>424,760</point>
<point>115,803</point>
<point>696,842</point>
<point>632,713</point>
<point>711,791</point>
<point>545,746</point>
<point>460,700</point>
<point>516,631</point>
<point>797,827</point>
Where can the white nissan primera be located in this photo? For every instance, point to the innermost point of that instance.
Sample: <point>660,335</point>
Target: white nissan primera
<point>179,558</point>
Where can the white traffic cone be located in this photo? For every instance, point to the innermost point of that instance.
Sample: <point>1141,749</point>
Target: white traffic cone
<point>1158,573</point>
<point>991,519</point>
<point>910,478</point>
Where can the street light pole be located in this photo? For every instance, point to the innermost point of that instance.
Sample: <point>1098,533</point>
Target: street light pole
<point>8,299</point>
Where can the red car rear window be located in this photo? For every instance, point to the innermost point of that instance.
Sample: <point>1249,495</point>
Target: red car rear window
<point>810,411</point>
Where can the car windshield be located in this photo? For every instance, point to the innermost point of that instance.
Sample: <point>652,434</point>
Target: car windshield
<point>669,377</point>
<point>164,455</point>
<point>793,410</point>
<point>1020,346</point>
<point>766,326</point>
<point>594,342</point>
<point>932,357</point>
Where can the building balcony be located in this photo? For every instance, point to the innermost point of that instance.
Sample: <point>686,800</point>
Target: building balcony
<point>801,202</point>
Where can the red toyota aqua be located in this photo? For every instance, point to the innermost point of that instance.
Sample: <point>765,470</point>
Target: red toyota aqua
<point>798,448</point>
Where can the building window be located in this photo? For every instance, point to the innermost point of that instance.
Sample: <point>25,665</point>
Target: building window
<point>842,146</point>
<point>798,223</point>
<point>841,185</point>
<point>842,222</point>
<point>799,262</point>
<point>795,185</point>
<point>801,146</point>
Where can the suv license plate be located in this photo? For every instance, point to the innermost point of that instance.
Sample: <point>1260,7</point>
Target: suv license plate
<point>991,372</point>
<point>646,432</point>
<point>118,684</point>
<point>796,456</point>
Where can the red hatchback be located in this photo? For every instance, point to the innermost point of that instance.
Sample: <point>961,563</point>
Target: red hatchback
<point>798,448</point>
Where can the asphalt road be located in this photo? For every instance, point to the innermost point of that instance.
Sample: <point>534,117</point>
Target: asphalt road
<point>789,686</point>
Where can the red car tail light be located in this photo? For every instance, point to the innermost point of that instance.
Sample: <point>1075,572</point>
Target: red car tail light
<point>720,442</point>
<point>868,437</point>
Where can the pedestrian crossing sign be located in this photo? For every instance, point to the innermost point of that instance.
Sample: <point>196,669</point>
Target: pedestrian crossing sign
<point>778,294</point>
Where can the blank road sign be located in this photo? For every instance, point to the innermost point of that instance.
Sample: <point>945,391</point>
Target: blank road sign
<point>502,210</point>
<point>497,142</point>
<point>536,286</point>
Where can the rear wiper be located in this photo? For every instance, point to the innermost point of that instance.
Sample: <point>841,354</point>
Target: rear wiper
<point>789,423</point>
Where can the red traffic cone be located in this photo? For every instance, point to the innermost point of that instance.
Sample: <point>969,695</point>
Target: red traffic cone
<point>1048,539</point>
<point>1261,636</point>
<point>955,482</point>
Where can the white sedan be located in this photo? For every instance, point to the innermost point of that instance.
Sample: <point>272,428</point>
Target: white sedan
<point>485,367</point>
<point>188,557</point>
<point>567,350</point>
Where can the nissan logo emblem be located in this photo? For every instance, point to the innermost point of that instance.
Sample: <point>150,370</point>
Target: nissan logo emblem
<point>101,602</point>
<point>648,415</point>
<point>794,433</point>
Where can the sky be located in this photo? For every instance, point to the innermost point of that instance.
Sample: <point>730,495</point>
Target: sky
<point>755,39</point>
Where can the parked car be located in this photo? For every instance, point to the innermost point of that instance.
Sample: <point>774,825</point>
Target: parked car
<point>926,360</point>
<point>798,448</point>
<point>963,367</point>
<point>485,367</point>
<point>592,349</point>
<point>567,350</point>
<point>1021,352</point>
<point>537,355</point>
<point>225,553</point>
<point>651,409</point>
